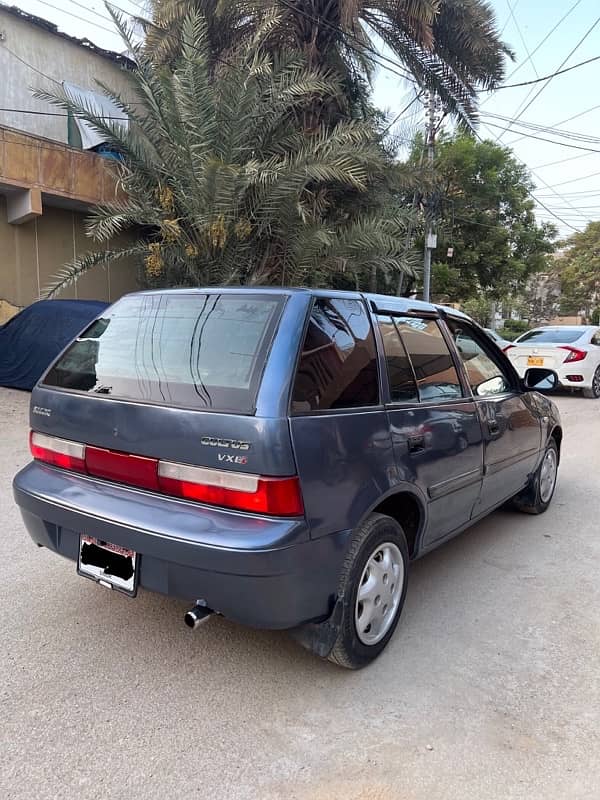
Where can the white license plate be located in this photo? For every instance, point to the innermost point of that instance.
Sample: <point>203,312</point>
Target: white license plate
<point>108,564</point>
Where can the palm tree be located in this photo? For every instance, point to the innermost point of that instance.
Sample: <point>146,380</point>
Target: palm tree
<point>451,47</point>
<point>221,185</point>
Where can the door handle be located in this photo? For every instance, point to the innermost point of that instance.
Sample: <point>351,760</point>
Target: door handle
<point>493,427</point>
<point>416,443</point>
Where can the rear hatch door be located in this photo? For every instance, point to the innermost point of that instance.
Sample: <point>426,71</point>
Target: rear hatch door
<point>172,376</point>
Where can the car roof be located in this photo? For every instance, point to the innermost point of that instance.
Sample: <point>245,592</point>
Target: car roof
<point>379,300</point>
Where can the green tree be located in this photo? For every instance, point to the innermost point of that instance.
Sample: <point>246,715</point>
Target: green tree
<point>578,270</point>
<point>488,222</point>
<point>450,47</point>
<point>220,185</point>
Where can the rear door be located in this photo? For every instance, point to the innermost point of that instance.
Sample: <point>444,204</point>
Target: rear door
<point>435,428</point>
<point>510,421</point>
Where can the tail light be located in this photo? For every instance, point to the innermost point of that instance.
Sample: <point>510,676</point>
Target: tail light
<point>508,347</point>
<point>574,354</point>
<point>280,497</point>
<point>58,452</point>
<point>277,496</point>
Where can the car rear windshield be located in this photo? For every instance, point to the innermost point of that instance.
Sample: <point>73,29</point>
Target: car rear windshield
<point>185,350</point>
<point>552,336</point>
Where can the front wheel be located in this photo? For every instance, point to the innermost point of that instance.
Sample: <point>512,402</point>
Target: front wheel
<point>373,584</point>
<point>594,391</point>
<point>537,496</point>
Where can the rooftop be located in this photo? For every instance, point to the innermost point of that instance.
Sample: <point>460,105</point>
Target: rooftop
<point>50,27</point>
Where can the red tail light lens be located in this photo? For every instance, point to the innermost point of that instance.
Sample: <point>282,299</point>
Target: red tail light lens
<point>274,496</point>
<point>58,452</point>
<point>508,347</point>
<point>574,354</point>
<point>122,467</point>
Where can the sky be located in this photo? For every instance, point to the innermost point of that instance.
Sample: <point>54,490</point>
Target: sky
<point>565,178</point>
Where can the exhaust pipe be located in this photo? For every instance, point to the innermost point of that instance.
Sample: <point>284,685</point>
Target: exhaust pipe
<point>196,616</point>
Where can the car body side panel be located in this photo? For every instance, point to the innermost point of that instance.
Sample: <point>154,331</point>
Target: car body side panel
<point>346,464</point>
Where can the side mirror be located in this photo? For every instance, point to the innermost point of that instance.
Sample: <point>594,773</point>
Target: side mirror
<point>541,380</point>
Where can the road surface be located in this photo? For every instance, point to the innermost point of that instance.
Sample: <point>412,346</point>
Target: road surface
<point>490,688</point>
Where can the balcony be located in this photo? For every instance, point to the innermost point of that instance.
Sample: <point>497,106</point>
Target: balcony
<point>35,172</point>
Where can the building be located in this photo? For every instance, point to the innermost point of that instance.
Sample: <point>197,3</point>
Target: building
<point>48,182</point>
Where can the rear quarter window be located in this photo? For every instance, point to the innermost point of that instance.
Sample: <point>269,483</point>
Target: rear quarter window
<point>187,350</point>
<point>338,363</point>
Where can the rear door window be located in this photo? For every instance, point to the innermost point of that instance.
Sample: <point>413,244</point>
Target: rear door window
<point>338,364</point>
<point>403,388</point>
<point>437,378</point>
<point>186,350</point>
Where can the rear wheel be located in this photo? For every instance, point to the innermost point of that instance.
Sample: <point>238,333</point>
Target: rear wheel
<point>373,583</point>
<point>536,498</point>
<point>594,391</point>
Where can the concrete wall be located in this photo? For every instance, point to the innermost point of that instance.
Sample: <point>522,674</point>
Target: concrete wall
<point>54,56</point>
<point>32,254</point>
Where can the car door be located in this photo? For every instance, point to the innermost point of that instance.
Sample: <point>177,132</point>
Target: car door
<point>509,419</point>
<point>436,431</point>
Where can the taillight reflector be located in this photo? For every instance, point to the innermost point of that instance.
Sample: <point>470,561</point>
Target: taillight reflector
<point>574,354</point>
<point>124,467</point>
<point>276,496</point>
<point>58,452</point>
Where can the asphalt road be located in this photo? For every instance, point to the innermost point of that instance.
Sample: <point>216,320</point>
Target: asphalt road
<point>490,688</point>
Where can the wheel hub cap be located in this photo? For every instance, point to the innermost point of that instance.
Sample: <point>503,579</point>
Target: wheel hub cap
<point>379,593</point>
<point>548,475</point>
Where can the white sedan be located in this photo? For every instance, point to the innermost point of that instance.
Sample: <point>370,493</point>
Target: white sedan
<point>572,351</point>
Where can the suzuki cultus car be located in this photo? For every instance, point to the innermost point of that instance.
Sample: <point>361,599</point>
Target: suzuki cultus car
<point>280,456</point>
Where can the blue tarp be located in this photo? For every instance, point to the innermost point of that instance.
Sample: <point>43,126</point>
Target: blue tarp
<point>31,340</point>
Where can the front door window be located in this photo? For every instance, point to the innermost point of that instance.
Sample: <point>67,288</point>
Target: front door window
<point>486,377</point>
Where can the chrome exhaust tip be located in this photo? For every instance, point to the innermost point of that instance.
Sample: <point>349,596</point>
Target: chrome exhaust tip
<point>196,616</point>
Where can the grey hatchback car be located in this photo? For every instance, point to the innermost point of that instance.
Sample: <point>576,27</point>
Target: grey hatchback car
<point>279,456</point>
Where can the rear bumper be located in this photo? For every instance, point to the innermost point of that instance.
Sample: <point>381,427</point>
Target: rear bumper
<point>258,571</point>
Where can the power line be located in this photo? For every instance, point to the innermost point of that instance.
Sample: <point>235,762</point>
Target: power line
<point>401,113</point>
<point>27,64</point>
<point>546,37</point>
<point>530,193</point>
<point>558,72</point>
<point>562,122</point>
<point>543,139</point>
<point>81,19</point>
<point>575,180</point>
<point>574,136</point>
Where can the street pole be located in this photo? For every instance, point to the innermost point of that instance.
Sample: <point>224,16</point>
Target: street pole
<point>430,237</point>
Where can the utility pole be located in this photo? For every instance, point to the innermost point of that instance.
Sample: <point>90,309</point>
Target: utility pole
<point>430,236</point>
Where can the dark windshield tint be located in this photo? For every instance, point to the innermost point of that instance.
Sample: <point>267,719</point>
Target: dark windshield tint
<point>189,350</point>
<point>552,335</point>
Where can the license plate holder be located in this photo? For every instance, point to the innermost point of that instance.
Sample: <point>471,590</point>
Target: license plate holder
<point>108,564</point>
<point>533,361</point>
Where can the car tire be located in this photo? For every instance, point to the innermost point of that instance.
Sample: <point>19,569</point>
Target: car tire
<point>537,496</point>
<point>368,624</point>
<point>593,393</point>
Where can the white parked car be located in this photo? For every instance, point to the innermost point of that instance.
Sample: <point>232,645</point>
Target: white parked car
<point>573,352</point>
